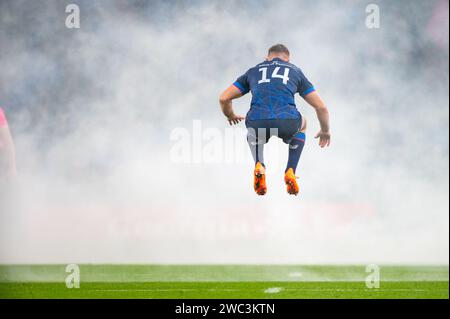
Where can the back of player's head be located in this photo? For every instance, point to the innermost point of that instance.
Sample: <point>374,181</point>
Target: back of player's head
<point>278,49</point>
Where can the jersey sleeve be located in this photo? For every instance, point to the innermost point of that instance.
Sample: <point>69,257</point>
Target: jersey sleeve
<point>304,86</point>
<point>3,122</point>
<point>242,84</point>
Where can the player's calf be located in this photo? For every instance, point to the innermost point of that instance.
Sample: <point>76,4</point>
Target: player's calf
<point>295,150</point>
<point>296,145</point>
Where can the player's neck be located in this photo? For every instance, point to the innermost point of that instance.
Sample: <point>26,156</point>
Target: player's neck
<point>280,57</point>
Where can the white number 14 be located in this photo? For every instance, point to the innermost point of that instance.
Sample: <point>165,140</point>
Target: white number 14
<point>275,74</point>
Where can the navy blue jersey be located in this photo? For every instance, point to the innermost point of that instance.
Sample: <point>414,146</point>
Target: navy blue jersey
<point>273,85</point>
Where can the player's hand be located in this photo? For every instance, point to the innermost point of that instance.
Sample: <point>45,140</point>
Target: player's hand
<point>324,138</point>
<point>235,119</point>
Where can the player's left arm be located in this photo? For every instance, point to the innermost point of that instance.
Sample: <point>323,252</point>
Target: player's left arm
<point>323,116</point>
<point>225,100</point>
<point>310,95</point>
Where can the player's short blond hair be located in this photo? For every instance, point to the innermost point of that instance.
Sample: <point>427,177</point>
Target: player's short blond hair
<point>279,48</point>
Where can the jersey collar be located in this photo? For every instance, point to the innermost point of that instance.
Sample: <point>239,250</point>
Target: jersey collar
<point>277,60</point>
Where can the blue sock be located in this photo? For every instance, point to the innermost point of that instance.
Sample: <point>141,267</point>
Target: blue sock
<point>257,149</point>
<point>295,150</point>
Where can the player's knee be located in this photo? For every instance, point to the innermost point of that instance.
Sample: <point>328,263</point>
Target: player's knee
<point>304,125</point>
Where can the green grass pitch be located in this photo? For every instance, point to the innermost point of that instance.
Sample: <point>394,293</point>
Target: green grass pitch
<point>223,282</point>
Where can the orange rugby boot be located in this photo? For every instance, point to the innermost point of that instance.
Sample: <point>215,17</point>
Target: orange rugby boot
<point>259,183</point>
<point>291,182</point>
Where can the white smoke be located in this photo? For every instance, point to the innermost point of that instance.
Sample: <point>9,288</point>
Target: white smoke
<point>92,111</point>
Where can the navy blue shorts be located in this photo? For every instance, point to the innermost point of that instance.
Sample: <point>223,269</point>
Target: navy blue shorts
<point>261,131</point>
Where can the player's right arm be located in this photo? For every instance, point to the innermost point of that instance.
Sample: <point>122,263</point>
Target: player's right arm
<point>225,100</point>
<point>239,88</point>
<point>8,149</point>
<point>318,104</point>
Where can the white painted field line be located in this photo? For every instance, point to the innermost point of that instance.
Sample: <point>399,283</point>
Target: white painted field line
<point>362,290</point>
<point>274,290</point>
<point>168,290</point>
